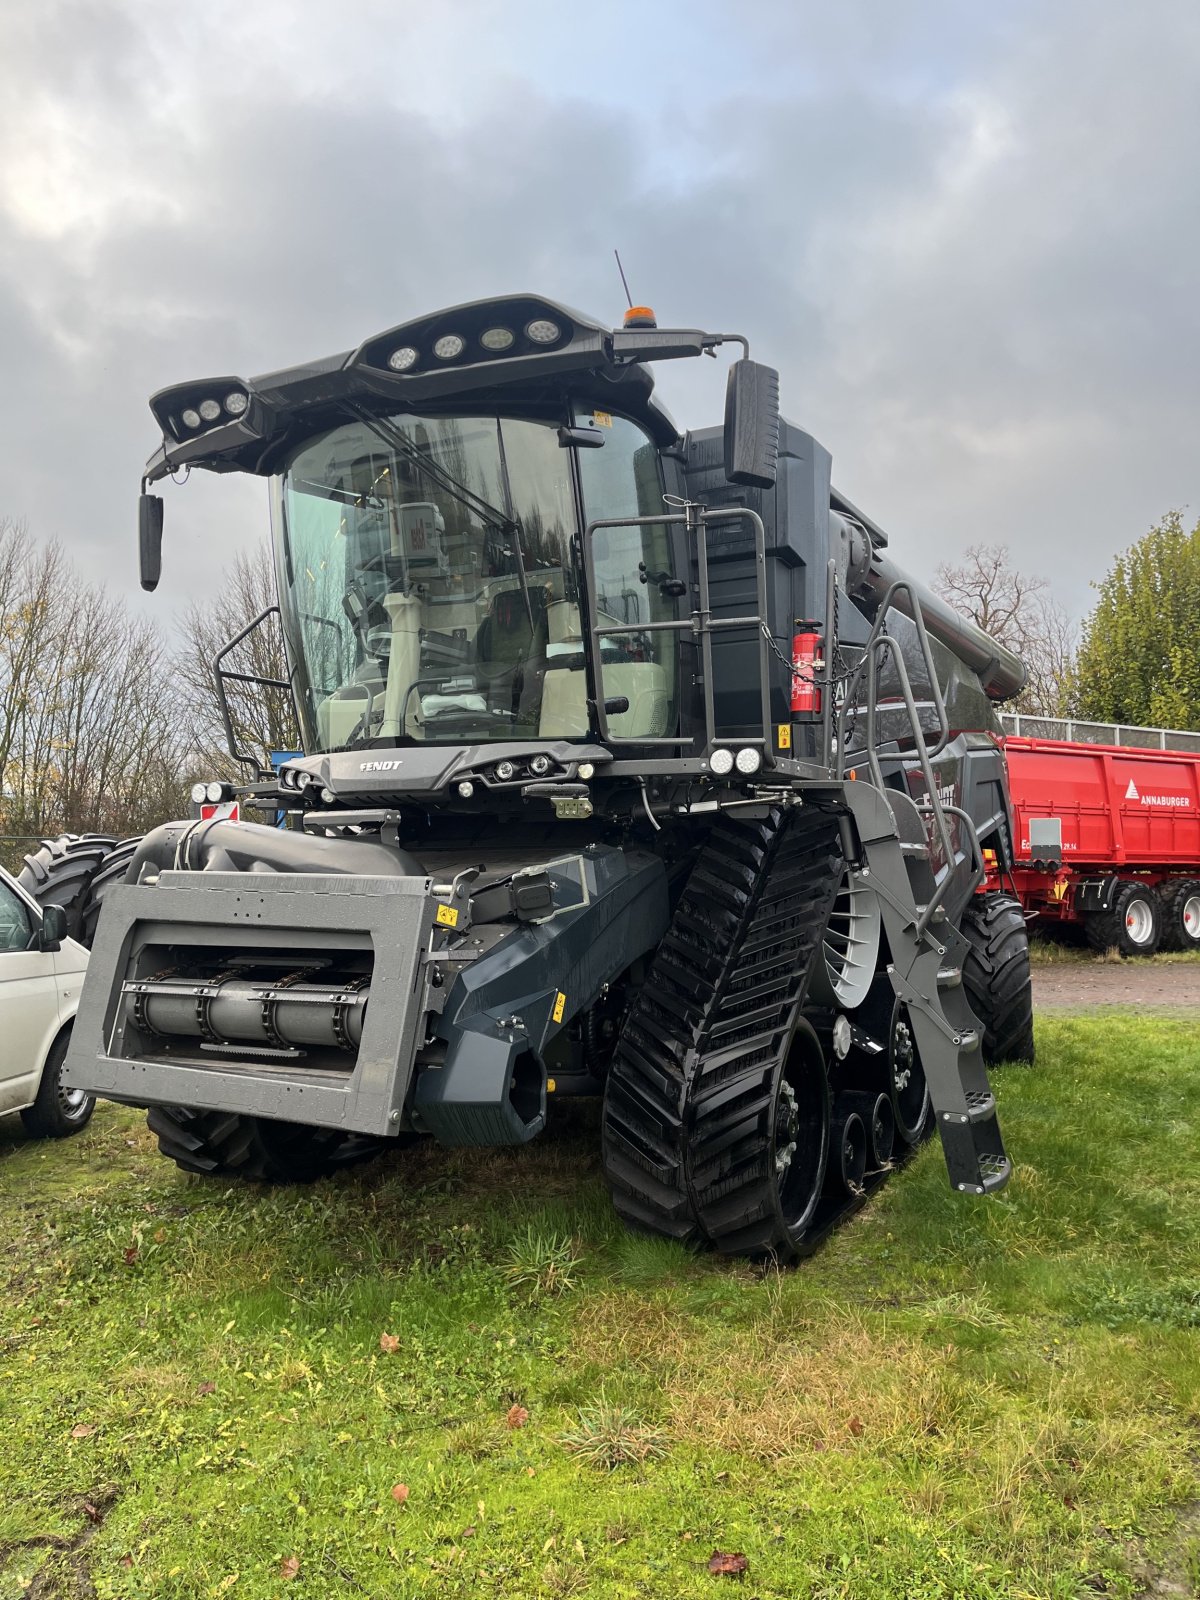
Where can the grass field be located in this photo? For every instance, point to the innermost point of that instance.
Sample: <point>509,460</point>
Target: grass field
<point>208,1391</point>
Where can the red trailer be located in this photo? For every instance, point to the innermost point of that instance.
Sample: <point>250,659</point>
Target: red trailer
<point>1108,836</point>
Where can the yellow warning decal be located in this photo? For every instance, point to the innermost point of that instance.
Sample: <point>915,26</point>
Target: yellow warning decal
<point>783,734</point>
<point>550,1086</point>
<point>560,1005</point>
<point>447,916</point>
<point>602,419</point>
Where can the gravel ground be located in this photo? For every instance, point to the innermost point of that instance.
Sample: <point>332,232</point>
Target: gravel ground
<point>1095,985</point>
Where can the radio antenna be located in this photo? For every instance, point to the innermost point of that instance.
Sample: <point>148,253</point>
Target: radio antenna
<point>624,283</point>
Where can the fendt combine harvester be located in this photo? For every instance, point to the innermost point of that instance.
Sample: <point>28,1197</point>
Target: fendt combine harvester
<point>630,769</point>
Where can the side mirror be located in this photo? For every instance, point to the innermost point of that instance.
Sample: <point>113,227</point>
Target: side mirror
<point>752,424</point>
<point>150,528</point>
<point>54,928</point>
<point>581,438</point>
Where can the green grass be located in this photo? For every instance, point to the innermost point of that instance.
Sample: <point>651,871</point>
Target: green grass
<point>982,1399</point>
<point>1047,951</point>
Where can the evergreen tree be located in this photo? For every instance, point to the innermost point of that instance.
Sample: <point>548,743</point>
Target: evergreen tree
<point>1139,661</point>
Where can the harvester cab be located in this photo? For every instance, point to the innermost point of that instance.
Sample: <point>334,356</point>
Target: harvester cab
<point>632,767</point>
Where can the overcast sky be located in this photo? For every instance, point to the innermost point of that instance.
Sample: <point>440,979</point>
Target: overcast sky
<point>968,234</point>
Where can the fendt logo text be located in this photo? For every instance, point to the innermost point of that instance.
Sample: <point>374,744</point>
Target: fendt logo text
<point>379,766</point>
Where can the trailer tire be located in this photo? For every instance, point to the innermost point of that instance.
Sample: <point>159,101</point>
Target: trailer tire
<point>1181,915</point>
<point>257,1149</point>
<point>996,976</point>
<point>60,872</point>
<point>1133,926</point>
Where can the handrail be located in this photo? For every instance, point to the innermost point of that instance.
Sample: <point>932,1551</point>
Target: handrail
<point>222,674</point>
<point>699,622</point>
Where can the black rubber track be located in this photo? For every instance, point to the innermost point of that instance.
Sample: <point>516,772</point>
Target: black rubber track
<point>996,976</point>
<point>111,871</point>
<point>1106,930</point>
<point>688,1136</point>
<point>60,871</point>
<point>258,1149</point>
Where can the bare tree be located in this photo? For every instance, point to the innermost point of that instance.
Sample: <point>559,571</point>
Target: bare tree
<point>1020,612</point>
<point>263,718</point>
<point>89,719</point>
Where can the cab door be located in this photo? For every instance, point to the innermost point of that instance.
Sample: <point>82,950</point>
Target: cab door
<point>28,1001</point>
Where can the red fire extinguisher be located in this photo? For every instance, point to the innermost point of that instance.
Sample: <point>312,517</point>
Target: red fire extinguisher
<point>807,662</point>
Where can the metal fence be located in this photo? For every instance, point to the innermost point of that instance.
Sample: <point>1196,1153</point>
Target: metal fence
<point>1100,733</point>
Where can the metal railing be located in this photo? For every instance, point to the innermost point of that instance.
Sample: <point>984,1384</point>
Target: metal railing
<point>1077,731</point>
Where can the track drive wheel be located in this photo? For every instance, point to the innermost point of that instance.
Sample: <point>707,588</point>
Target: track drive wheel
<point>996,976</point>
<point>258,1149</point>
<point>1133,926</point>
<point>907,1086</point>
<point>60,872</point>
<point>1181,915</point>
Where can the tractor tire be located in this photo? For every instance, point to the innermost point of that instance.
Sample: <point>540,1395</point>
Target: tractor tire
<point>226,1144</point>
<point>57,1112</point>
<point>996,976</point>
<point>1133,926</point>
<point>60,873</point>
<point>1181,915</point>
<point>716,1107</point>
<point>110,872</point>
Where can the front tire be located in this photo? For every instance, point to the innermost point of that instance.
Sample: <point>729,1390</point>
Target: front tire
<point>1133,926</point>
<point>58,1112</point>
<point>258,1149</point>
<point>60,873</point>
<point>996,976</point>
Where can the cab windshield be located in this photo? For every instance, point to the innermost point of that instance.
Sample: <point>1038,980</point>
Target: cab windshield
<point>429,589</point>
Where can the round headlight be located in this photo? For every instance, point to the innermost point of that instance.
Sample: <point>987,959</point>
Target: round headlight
<point>748,760</point>
<point>721,762</point>
<point>199,793</point>
<point>214,792</point>
<point>303,778</point>
<point>586,770</point>
<point>505,770</point>
<point>236,402</point>
<point>540,766</point>
<point>400,360</point>
<point>542,331</point>
<point>466,789</point>
<point>190,417</point>
<point>496,338</point>
<point>328,797</point>
<point>449,346</point>
<point>210,410</point>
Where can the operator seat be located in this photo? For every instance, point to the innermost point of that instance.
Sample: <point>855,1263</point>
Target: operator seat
<point>508,645</point>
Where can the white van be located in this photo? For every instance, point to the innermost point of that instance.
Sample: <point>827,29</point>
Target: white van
<point>41,975</point>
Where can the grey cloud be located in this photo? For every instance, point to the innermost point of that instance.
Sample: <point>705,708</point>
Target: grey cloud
<point>965,243</point>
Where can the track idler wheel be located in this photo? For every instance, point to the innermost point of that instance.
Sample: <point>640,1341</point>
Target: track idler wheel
<point>847,1155</point>
<point>879,1119</point>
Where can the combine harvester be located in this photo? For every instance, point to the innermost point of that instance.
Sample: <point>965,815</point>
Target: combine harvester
<point>583,809</point>
<point>1108,838</point>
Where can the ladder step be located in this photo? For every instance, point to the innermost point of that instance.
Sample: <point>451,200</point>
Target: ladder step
<point>981,1104</point>
<point>911,849</point>
<point>967,1041</point>
<point>939,914</point>
<point>949,977</point>
<point>994,1173</point>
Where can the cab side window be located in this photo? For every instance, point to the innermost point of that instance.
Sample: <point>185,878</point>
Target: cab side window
<point>16,929</point>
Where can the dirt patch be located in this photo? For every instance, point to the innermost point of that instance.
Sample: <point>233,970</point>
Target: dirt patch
<point>1091,986</point>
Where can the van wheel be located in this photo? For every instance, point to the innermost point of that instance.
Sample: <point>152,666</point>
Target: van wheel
<point>58,1111</point>
<point>1133,926</point>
